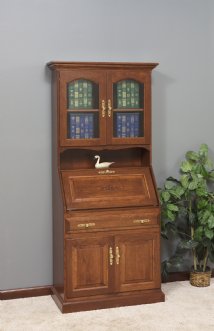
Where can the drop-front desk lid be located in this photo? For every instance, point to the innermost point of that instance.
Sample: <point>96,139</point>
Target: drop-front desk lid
<point>116,187</point>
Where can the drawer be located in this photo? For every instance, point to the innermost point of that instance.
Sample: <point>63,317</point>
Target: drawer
<point>105,220</point>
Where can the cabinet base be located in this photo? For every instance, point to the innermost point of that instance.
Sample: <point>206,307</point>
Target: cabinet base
<point>108,301</point>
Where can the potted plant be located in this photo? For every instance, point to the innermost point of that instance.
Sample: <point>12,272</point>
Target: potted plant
<point>188,213</point>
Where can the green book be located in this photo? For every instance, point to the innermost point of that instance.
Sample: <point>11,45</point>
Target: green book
<point>80,94</point>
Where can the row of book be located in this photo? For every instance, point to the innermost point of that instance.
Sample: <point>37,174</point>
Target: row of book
<point>128,125</point>
<point>128,94</point>
<point>80,94</point>
<point>80,126</point>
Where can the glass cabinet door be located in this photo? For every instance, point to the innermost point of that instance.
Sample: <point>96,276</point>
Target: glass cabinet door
<point>82,108</point>
<point>129,111</point>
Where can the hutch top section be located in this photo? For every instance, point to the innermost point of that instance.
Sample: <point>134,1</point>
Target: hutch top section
<point>102,103</point>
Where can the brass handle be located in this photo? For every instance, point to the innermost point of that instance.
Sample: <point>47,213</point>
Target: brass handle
<point>111,256</point>
<point>109,108</point>
<point>85,225</point>
<point>117,252</point>
<point>142,221</point>
<point>103,107</point>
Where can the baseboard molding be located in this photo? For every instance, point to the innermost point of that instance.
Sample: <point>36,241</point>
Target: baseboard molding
<point>25,292</point>
<point>179,276</point>
<point>47,290</point>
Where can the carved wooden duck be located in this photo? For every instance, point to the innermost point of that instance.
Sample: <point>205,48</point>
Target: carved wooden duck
<point>102,165</point>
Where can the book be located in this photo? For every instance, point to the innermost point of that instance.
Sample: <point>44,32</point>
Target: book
<point>80,125</point>
<point>127,125</point>
<point>128,94</point>
<point>80,94</point>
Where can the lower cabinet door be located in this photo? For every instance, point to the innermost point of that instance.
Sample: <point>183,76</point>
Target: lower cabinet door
<point>89,266</point>
<point>137,261</point>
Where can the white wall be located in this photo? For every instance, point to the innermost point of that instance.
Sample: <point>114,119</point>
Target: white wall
<point>177,33</point>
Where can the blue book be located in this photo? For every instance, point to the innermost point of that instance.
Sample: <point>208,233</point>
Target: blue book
<point>132,120</point>
<point>82,126</point>
<point>128,125</point>
<point>77,129</point>
<point>86,120</point>
<point>123,128</point>
<point>91,125</point>
<point>71,126</point>
<point>136,125</point>
<point>119,125</point>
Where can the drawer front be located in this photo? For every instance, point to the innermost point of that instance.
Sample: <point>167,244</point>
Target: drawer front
<point>92,221</point>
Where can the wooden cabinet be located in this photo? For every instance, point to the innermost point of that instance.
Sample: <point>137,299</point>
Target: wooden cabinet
<point>110,264</point>
<point>110,107</point>
<point>106,225</point>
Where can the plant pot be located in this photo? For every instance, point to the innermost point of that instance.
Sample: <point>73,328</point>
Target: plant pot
<point>200,278</point>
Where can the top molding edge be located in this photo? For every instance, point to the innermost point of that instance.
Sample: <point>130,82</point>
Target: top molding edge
<point>57,65</point>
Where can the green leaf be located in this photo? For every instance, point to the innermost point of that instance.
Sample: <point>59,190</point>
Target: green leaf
<point>165,196</point>
<point>169,184</point>
<point>186,166</point>
<point>201,192</point>
<point>172,207</point>
<point>204,172</point>
<point>209,233</point>
<point>184,181</point>
<point>170,215</point>
<point>179,191</point>
<point>211,222</point>
<point>193,185</point>
<point>203,150</point>
<point>192,156</point>
<point>202,203</point>
<point>208,164</point>
<point>198,233</point>
<point>205,216</point>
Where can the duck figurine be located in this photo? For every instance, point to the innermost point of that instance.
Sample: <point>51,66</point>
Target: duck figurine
<point>102,165</point>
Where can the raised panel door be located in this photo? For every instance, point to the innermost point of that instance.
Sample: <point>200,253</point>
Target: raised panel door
<point>89,266</point>
<point>137,260</point>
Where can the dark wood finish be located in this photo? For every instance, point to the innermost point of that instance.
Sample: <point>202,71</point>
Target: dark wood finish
<point>60,65</point>
<point>57,195</point>
<point>25,292</point>
<point>106,222</point>
<point>67,76</point>
<point>88,271</point>
<point>121,188</point>
<point>108,301</point>
<point>138,261</point>
<point>141,77</point>
<point>74,159</point>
